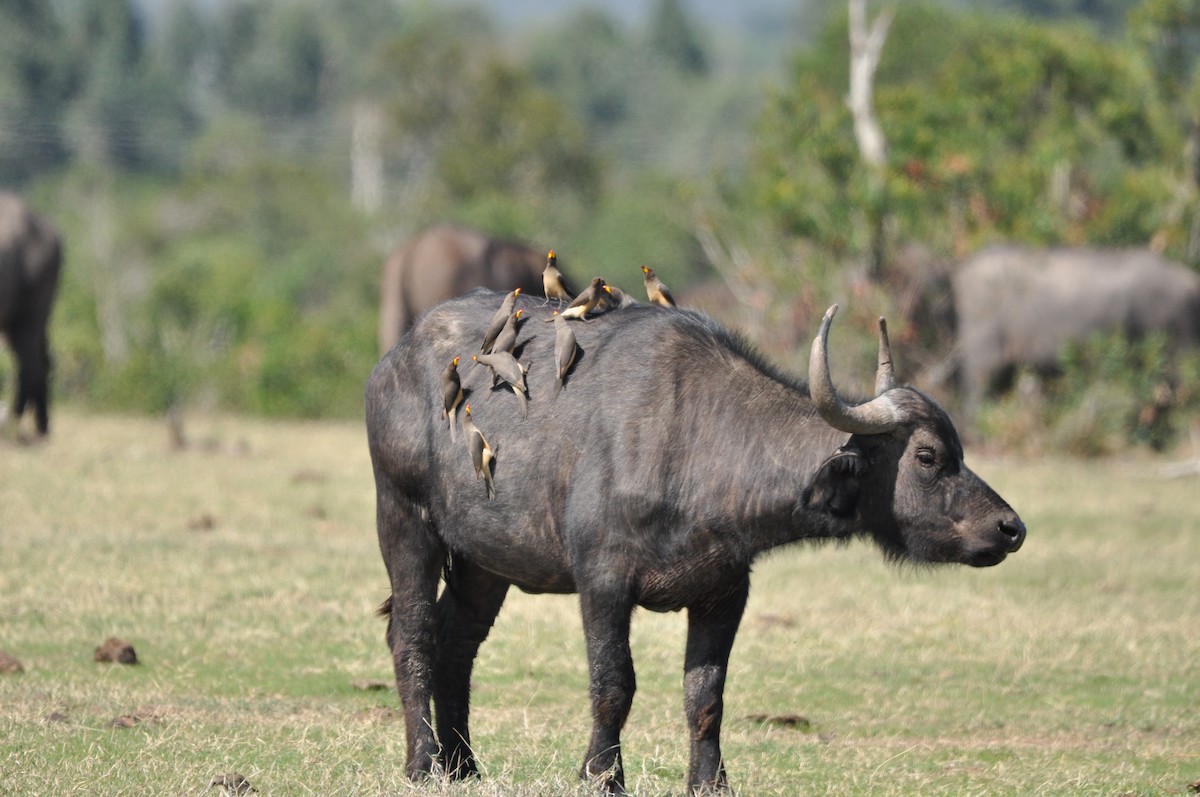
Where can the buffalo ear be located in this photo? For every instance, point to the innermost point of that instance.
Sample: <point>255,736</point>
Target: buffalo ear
<point>835,488</point>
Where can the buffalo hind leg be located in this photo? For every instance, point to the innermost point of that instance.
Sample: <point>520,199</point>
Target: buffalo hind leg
<point>606,617</point>
<point>414,563</point>
<point>711,630</point>
<point>466,611</point>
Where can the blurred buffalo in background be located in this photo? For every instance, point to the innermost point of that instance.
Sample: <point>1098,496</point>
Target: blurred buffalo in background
<point>1019,308</point>
<point>445,261</point>
<point>30,259</point>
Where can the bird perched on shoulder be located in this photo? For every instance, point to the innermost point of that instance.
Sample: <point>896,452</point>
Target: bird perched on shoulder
<point>552,282</point>
<point>565,349</point>
<point>656,291</point>
<point>499,320</point>
<point>452,394</point>
<point>508,335</point>
<point>508,368</point>
<point>482,454</point>
<point>614,299</point>
<point>585,302</point>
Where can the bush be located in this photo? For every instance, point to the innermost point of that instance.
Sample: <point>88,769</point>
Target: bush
<point>1111,393</point>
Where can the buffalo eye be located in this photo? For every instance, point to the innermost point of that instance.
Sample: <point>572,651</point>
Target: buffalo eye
<point>926,458</point>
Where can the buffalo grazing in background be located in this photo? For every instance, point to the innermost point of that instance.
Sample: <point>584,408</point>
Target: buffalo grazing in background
<point>1019,307</point>
<point>30,260</point>
<point>445,261</point>
<point>672,458</point>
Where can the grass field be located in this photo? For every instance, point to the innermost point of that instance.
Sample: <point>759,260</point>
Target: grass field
<point>244,570</point>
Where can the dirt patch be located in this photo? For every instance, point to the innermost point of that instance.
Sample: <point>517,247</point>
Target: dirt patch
<point>142,715</point>
<point>768,621</point>
<point>379,714</point>
<point>309,476</point>
<point>205,521</point>
<point>371,684</point>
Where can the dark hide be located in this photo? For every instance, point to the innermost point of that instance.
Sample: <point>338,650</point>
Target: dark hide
<point>30,259</point>
<point>670,460</point>
<point>445,261</point>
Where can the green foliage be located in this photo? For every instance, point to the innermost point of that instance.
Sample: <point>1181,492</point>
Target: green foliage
<point>33,83</point>
<point>272,58</point>
<point>470,131</point>
<point>1112,393</point>
<point>673,38</point>
<point>996,128</point>
<point>248,286</point>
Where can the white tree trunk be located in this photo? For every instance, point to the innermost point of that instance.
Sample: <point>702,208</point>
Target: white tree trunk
<point>865,48</point>
<point>366,157</point>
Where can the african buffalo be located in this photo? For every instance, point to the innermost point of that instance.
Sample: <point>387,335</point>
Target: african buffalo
<point>30,259</point>
<point>671,459</point>
<point>1020,307</point>
<point>447,261</point>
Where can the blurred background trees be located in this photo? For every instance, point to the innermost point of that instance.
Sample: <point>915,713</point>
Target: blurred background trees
<point>230,175</point>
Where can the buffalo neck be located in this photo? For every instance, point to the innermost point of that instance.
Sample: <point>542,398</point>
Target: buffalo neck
<point>738,467</point>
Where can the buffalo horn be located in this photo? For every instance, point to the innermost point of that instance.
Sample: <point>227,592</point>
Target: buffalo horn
<point>877,416</point>
<point>885,376</point>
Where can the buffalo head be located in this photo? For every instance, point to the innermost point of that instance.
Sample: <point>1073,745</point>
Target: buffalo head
<point>901,474</point>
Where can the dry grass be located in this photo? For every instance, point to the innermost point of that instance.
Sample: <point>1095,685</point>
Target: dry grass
<point>244,571</point>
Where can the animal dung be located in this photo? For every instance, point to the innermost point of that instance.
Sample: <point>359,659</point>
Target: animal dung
<point>232,783</point>
<point>10,663</point>
<point>125,721</point>
<point>116,650</point>
<point>793,721</point>
<point>205,521</point>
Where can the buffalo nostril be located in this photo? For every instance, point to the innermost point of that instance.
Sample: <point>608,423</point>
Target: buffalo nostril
<point>1014,530</point>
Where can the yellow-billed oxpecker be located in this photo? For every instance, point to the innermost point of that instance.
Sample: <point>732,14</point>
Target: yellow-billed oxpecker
<point>565,349</point>
<point>481,451</point>
<point>552,282</point>
<point>656,291</point>
<point>499,320</point>
<point>508,336</point>
<point>585,302</point>
<point>508,368</point>
<point>452,395</point>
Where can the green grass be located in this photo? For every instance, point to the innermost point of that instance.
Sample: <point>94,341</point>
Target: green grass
<point>1072,669</point>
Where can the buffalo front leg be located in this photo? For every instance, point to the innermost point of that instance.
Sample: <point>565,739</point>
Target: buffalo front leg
<point>611,684</point>
<point>466,611</point>
<point>33,375</point>
<point>711,630</point>
<point>414,564</point>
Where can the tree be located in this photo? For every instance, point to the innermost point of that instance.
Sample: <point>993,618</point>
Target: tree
<point>121,110</point>
<point>474,138</point>
<point>33,86</point>
<point>1042,133</point>
<point>674,39</point>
